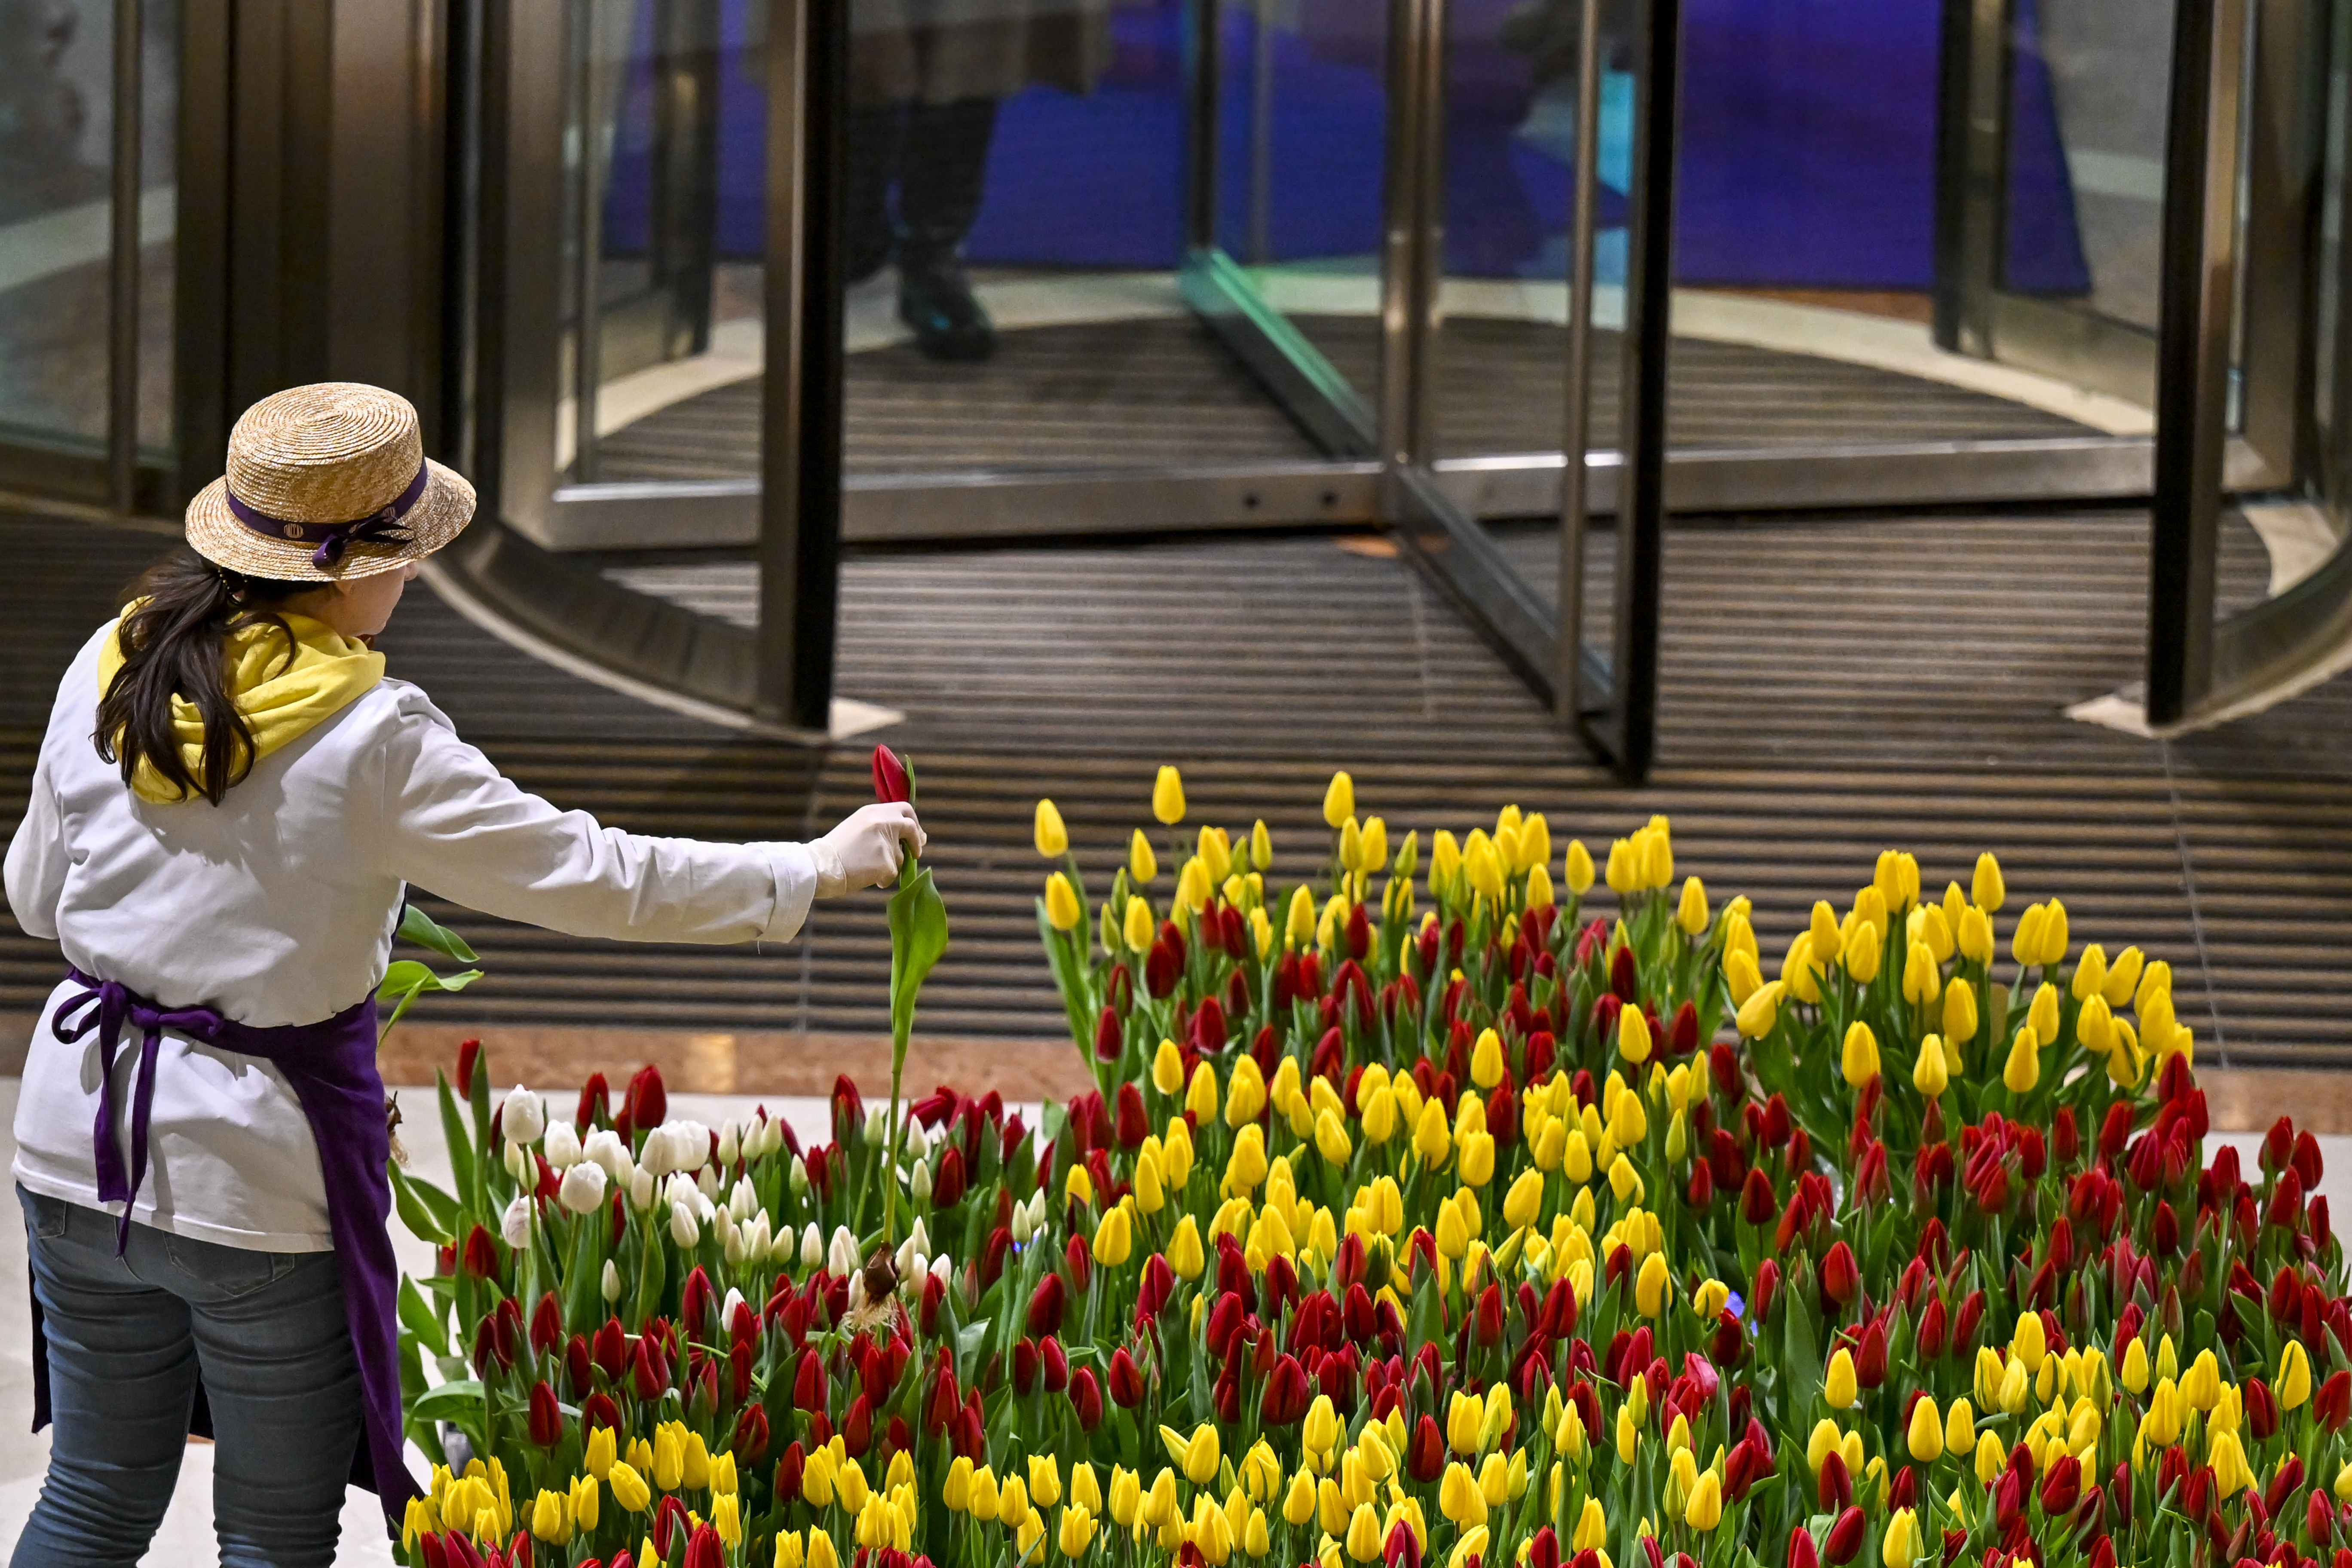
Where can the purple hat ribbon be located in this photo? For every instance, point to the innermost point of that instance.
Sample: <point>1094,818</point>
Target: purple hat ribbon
<point>384,525</point>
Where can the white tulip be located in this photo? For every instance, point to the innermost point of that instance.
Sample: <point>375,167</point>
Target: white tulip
<point>842,1257</point>
<point>641,1189</point>
<point>734,1298</point>
<point>561,1147</point>
<point>919,1237</point>
<point>742,1199</point>
<point>524,1118</point>
<point>606,1148</point>
<point>679,1188</point>
<point>691,1141</point>
<point>920,1185</point>
<point>734,1247</point>
<point>722,1227</point>
<point>583,1191</point>
<point>706,1181</point>
<point>904,1259</point>
<point>910,1284</point>
<point>654,1154</point>
<point>730,1142</point>
<point>918,1143</point>
<point>612,1282</point>
<point>684,1229</point>
<point>1024,1228</point>
<point>877,1125</point>
<point>515,1224</point>
<point>857,1290</point>
<point>800,1177</point>
<point>519,1166</point>
<point>812,1247</point>
<point>942,1268</point>
<point>763,1231</point>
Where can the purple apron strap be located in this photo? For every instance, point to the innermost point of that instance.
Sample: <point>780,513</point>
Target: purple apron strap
<point>331,1067</point>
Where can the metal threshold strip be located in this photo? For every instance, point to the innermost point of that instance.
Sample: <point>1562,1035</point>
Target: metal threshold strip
<point>981,505</point>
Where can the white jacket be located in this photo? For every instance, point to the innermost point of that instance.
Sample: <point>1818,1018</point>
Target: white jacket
<point>279,906</point>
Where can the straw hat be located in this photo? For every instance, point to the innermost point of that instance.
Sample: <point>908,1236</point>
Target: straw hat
<point>325,483</point>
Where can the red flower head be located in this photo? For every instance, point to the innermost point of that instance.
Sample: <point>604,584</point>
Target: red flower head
<point>648,1370</point>
<point>468,1053</point>
<point>2062,1486</point>
<point>646,1104</point>
<point>1125,1380</point>
<point>1402,1548</point>
<point>1045,1306</point>
<point>2332,1404</point>
<point>596,1103</point>
<point>1845,1538</point>
<point>889,776</point>
<point>751,1439</point>
<point>1085,1397</point>
<point>1841,1274</point>
<point>1802,1551</point>
<point>546,1421</point>
<point>481,1256</point>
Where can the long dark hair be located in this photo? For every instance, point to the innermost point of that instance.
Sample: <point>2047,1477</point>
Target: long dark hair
<point>176,644</point>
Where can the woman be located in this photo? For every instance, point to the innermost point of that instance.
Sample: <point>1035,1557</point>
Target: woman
<point>229,804</point>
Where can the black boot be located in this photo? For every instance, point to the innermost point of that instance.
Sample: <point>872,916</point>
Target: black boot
<point>869,161</point>
<point>943,160</point>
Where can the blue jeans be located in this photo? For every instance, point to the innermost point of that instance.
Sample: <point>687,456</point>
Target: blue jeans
<point>127,1336</point>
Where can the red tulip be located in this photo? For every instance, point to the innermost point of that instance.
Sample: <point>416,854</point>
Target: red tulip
<point>648,1371</point>
<point>546,1422</point>
<point>751,1439</point>
<point>1543,1552</point>
<point>808,1384</point>
<point>1845,1538</point>
<point>1287,1393</point>
<point>1833,1488</point>
<point>889,776</point>
<point>611,1350</point>
<point>1045,1306</point>
<point>468,1053</point>
<point>2332,1404</point>
<point>646,1104</point>
<point>1085,1397</point>
<point>1426,1452</point>
<point>704,1549</point>
<point>1402,1549</point>
<point>2062,1486</point>
<point>1109,1038</point>
<point>481,1256</point>
<point>788,1471</point>
<point>595,1103</point>
<point>598,1410</point>
<point>1125,1380</point>
<point>1841,1276</point>
<point>1801,1552</point>
<point>696,1299</point>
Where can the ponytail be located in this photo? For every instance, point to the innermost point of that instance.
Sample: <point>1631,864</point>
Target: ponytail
<point>174,643</point>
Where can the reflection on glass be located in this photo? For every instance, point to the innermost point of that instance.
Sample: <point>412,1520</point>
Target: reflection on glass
<point>56,127</point>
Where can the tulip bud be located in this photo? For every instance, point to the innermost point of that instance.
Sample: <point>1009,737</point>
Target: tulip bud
<point>514,1225</point>
<point>583,1191</point>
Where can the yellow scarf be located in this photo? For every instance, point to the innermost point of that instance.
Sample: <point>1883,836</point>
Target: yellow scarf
<point>282,698</point>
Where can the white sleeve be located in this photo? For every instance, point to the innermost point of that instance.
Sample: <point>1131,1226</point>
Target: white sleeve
<point>38,861</point>
<point>460,829</point>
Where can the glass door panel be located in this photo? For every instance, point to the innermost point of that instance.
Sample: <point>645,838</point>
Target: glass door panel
<point>58,125</point>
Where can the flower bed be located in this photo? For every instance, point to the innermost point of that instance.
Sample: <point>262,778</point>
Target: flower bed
<point>1457,1208</point>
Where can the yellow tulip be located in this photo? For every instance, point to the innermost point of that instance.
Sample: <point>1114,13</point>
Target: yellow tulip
<point>1053,838</point>
<point>1114,1238</point>
<point>1486,1064</point>
<point>1363,1543</point>
<point>1922,981</point>
<point>586,1501</point>
<point>1899,1548</point>
<point>599,1455</point>
<point>1973,931</point>
<point>1012,1502</point>
<point>1330,1138</point>
<point>550,1520</point>
<point>1704,1511</point>
<point>1168,797</point>
<point>2024,1068</point>
<point>1077,1531</point>
<point>1525,1200</point>
<point>2232,1474</point>
<point>984,1499</point>
<point>1578,871</point>
<point>629,1489</point>
<point>1761,1011</point>
<point>1842,1387</point>
<point>1864,952</point>
<point>1930,1075</point>
<point>1926,1432</point>
<point>1061,902</point>
<point>1858,1059</point>
<point>1458,1497</point>
<point>669,1456</point>
<point>1828,941</point>
<point>820,1552</point>
<point>1245,1092</point>
<point>1987,890</point>
<point>1340,799</point>
<point>1431,1140</point>
<point>1959,1012</point>
<point>1185,1254</point>
<point>2293,1375</point>
<point>1650,1285</point>
<point>1691,914</point>
<point>1657,855</point>
<point>1632,1035</point>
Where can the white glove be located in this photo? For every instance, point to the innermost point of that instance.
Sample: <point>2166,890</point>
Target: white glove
<point>864,851</point>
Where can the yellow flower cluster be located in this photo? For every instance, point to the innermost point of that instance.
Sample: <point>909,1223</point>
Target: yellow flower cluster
<point>477,1503</point>
<point>883,1516</point>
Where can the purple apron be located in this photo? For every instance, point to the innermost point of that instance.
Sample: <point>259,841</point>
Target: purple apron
<point>331,1067</point>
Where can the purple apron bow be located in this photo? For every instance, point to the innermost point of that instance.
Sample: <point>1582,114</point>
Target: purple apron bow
<point>330,1066</point>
